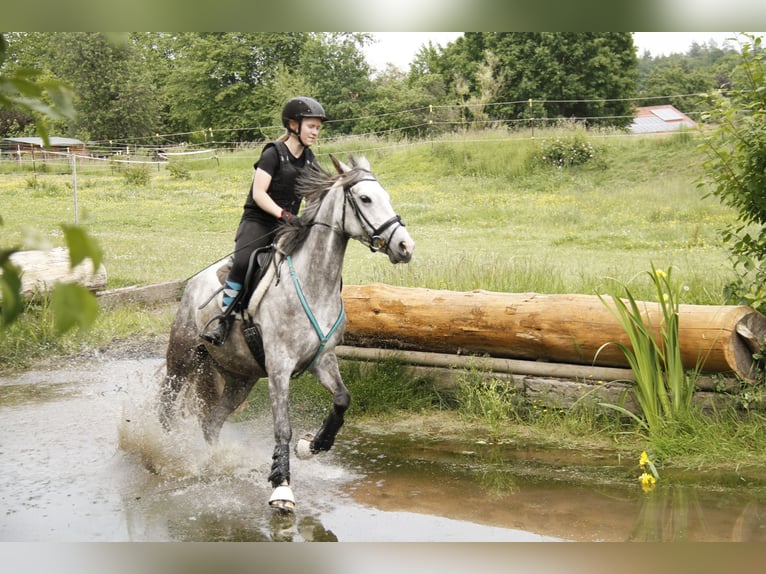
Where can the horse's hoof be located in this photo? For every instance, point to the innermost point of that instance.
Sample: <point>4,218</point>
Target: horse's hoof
<point>282,499</point>
<point>303,446</point>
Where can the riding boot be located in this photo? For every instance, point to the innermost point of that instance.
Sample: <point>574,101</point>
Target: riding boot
<point>217,336</point>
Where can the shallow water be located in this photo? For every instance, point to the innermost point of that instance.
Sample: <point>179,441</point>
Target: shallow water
<point>83,459</point>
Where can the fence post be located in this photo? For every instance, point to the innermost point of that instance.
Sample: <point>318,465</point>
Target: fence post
<point>74,183</point>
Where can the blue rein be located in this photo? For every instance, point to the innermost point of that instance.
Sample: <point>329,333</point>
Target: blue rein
<point>322,337</point>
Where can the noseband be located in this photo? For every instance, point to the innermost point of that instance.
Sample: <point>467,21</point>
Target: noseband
<point>374,238</point>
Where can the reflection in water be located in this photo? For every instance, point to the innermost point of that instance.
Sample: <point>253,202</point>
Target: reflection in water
<point>83,459</point>
<point>554,493</point>
<point>678,512</point>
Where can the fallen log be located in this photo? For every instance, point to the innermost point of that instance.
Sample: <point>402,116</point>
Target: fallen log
<point>40,270</point>
<point>575,329</point>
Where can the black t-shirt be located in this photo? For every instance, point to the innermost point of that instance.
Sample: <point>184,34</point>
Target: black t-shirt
<point>284,169</point>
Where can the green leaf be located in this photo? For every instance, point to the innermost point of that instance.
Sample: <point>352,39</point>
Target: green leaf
<point>81,246</point>
<point>73,306</point>
<point>10,288</point>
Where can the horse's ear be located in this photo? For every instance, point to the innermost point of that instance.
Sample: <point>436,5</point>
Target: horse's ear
<point>362,162</point>
<point>339,165</point>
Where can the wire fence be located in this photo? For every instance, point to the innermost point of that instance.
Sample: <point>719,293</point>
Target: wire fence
<point>219,144</point>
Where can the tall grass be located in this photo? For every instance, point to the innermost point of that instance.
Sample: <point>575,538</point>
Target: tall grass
<point>663,388</point>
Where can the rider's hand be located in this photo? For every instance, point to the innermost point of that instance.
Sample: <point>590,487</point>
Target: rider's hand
<point>289,218</point>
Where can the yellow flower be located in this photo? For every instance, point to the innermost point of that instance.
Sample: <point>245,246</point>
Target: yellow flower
<point>644,460</point>
<point>647,482</point>
<point>661,274</point>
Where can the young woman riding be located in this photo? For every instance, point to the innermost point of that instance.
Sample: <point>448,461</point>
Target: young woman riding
<point>271,199</point>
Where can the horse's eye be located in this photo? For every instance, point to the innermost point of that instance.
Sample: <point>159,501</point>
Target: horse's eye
<point>365,199</point>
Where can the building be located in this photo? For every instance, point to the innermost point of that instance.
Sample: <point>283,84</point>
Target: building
<point>657,119</point>
<point>23,145</point>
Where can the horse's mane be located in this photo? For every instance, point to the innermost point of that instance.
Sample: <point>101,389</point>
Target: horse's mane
<point>312,187</point>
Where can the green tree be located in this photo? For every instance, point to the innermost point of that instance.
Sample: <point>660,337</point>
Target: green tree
<point>223,80</point>
<point>683,79</point>
<point>736,171</point>
<point>111,83</point>
<point>574,74</point>
<point>334,67</point>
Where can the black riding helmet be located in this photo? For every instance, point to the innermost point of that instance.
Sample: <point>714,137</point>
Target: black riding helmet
<point>299,108</point>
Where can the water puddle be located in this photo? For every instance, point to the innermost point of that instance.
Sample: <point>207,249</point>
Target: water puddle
<point>83,459</point>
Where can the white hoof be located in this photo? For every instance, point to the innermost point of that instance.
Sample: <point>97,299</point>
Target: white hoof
<point>303,446</point>
<point>282,499</point>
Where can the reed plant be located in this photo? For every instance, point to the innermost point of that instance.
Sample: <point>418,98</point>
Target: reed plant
<point>663,387</point>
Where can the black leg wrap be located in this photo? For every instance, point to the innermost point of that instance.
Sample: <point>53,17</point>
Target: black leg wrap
<point>280,467</point>
<point>325,438</point>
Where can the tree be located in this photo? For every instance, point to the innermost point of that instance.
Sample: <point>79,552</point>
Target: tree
<point>27,93</point>
<point>223,80</point>
<point>338,75</point>
<point>575,74</point>
<point>736,170</point>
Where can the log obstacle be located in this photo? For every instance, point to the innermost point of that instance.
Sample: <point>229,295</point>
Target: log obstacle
<point>576,329</point>
<point>40,270</point>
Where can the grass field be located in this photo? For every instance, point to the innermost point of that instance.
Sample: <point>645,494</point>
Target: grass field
<point>484,212</point>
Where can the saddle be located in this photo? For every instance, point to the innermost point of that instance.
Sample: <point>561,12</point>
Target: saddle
<point>257,266</point>
<point>259,262</point>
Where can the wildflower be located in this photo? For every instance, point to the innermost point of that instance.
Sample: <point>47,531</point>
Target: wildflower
<point>644,460</point>
<point>660,273</point>
<point>647,482</point>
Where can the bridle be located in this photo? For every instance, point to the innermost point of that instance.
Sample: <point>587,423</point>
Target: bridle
<point>373,237</point>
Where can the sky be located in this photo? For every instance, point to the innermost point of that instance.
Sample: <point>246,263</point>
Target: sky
<point>399,48</point>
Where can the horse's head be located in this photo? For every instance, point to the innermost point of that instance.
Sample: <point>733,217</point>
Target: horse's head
<point>368,215</point>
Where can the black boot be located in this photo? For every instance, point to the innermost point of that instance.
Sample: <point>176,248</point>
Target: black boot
<point>217,336</point>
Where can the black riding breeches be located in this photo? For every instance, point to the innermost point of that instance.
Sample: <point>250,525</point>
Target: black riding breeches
<point>251,235</point>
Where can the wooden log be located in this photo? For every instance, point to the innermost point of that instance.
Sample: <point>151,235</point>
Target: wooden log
<point>40,270</point>
<point>143,294</point>
<point>553,328</point>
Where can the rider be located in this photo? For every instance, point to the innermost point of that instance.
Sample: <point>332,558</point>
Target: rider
<point>271,198</point>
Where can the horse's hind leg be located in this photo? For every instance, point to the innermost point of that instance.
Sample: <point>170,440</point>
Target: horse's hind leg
<point>328,374</point>
<point>235,391</point>
<point>183,366</point>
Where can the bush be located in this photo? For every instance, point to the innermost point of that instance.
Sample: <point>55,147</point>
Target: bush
<point>566,152</point>
<point>137,175</point>
<point>736,169</point>
<point>179,171</point>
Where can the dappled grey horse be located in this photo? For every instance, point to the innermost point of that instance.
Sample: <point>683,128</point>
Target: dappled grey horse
<point>292,322</point>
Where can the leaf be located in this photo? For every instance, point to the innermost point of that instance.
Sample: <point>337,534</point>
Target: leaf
<point>10,288</point>
<point>81,246</point>
<point>73,306</point>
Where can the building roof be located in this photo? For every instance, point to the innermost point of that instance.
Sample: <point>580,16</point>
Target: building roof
<point>654,119</point>
<point>54,141</point>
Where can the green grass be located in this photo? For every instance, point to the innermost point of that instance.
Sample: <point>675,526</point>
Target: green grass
<point>485,214</point>
<point>479,208</point>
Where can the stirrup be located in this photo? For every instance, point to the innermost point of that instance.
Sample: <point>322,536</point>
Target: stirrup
<point>218,335</point>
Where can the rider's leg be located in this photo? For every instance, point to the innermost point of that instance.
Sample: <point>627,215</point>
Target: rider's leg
<point>250,236</point>
<point>218,334</point>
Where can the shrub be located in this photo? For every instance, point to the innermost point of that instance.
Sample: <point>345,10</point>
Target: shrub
<point>566,152</point>
<point>137,175</point>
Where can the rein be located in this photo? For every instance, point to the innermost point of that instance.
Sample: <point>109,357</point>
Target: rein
<point>323,339</point>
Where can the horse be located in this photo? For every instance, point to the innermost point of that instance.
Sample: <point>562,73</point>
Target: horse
<point>295,316</point>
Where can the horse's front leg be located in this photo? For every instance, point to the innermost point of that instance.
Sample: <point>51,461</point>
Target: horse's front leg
<point>328,374</point>
<point>282,497</point>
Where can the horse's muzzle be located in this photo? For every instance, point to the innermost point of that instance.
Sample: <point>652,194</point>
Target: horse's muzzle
<point>400,246</point>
